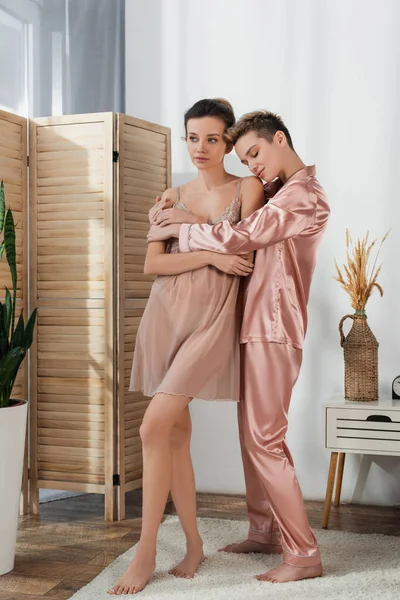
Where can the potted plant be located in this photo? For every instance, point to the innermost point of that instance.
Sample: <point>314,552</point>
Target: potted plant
<point>15,340</point>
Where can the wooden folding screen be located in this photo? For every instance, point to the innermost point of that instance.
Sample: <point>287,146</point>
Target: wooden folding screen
<point>144,172</point>
<point>90,191</point>
<point>13,171</point>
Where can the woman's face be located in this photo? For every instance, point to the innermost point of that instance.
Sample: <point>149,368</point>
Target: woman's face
<point>263,158</point>
<point>205,141</point>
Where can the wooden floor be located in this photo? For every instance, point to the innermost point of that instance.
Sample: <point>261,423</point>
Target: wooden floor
<point>69,544</point>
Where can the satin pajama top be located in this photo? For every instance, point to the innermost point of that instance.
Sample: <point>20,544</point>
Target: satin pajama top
<point>286,233</point>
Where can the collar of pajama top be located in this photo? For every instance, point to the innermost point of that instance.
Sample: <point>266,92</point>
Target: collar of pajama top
<point>286,233</point>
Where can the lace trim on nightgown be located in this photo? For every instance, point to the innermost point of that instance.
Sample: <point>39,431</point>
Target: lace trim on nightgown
<point>231,213</point>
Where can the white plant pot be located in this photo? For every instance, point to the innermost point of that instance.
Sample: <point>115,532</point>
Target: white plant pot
<point>12,446</point>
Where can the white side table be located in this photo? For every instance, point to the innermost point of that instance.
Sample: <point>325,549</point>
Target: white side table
<point>359,428</point>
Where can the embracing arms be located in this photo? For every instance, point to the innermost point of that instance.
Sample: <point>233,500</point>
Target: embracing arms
<point>282,219</point>
<point>159,262</point>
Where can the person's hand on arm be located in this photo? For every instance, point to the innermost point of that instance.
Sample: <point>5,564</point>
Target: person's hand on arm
<point>164,212</point>
<point>167,200</point>
<point>170,216</point>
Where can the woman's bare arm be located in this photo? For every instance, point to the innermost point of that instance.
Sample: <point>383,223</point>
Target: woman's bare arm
<point>158,262</point>
<point>252,196</point>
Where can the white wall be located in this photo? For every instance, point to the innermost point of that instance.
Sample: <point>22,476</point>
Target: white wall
<point>331,69</point>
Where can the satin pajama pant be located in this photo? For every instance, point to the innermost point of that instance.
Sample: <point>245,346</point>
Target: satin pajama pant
<point>274,499</point>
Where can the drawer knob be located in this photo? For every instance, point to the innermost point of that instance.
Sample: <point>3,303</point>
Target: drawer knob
<point>379,418</point>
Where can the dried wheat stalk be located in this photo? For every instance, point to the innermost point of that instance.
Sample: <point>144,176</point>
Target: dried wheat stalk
<point>360,278</point>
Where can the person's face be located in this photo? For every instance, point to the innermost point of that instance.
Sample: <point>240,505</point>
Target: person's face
<point>205,141</point>
<point>263,158</point>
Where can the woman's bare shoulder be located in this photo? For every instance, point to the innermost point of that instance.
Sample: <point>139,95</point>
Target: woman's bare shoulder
<point>251,195</point>
<point>252,183</point>
<point>169,194</point>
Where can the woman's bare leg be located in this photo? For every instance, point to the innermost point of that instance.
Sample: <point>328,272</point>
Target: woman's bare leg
<point>184,496</point>
<point>161,415</point>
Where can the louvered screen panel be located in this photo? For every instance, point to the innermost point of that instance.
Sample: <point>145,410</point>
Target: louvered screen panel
<point>13,171</point>
<point>71,183</point>
<point>144,172</point>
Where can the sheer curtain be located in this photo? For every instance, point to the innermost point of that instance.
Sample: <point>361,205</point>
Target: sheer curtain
<point>82,56</point>
<point>62,56</point>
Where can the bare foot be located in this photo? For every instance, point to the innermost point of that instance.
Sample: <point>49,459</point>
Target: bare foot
<point>136,576</point>
<point>285,573</point>
<point>248,546</point>
<point>189,565</point>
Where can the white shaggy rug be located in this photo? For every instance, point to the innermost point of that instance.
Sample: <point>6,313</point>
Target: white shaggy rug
<point>357,566</point>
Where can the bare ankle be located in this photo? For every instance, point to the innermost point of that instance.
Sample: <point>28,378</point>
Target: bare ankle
<point>194,544</point>
<point>146,550</point>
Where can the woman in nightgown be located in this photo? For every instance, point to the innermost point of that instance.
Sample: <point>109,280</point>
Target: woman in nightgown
<point>187,344</point>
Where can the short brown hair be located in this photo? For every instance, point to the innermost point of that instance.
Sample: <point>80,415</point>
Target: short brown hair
<point>264,123</point>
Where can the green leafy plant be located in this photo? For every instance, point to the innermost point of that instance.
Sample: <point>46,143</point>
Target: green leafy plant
<point>15,341</point>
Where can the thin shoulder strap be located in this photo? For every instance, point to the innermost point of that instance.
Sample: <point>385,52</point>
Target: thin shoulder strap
<point>178,194</point>
<point>238,189</point>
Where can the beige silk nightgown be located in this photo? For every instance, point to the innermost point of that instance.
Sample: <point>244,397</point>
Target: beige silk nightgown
<point>188,339</point>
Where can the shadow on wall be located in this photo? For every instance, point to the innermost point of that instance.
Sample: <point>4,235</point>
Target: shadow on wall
<point>366,466</point>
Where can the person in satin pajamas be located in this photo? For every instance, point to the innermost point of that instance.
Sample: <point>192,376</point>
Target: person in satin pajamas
<point>286,233</point>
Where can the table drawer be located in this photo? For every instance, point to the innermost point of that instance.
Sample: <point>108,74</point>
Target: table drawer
<point>363,429</point>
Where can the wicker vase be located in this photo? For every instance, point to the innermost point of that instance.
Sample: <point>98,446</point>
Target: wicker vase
<point>360,359</point>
